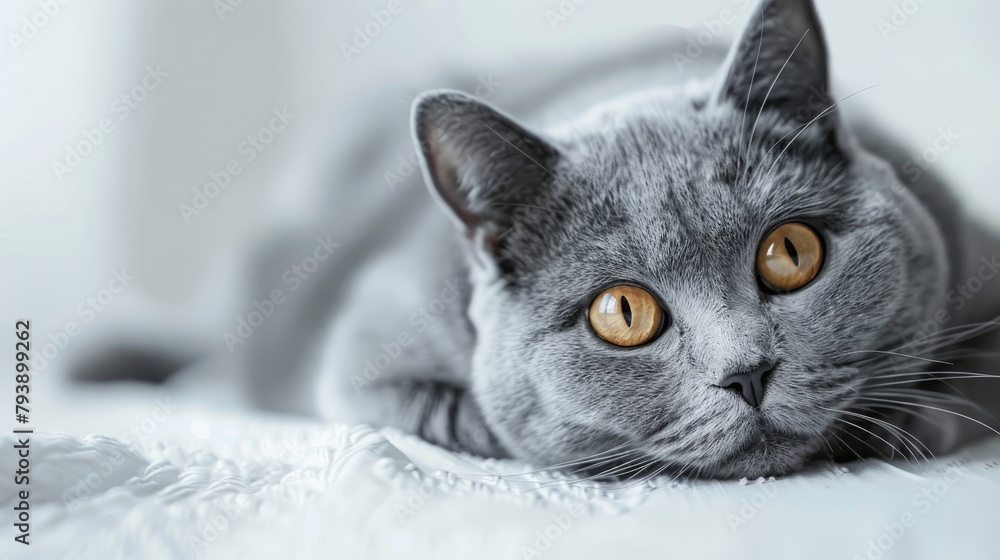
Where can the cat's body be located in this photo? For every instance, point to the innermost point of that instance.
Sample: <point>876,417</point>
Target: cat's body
<point>477,337</point>
<point>489,378</point>
<point>466,374</point>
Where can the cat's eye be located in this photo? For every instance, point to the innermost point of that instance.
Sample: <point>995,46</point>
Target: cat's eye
<point>626,316</point>
<point>790,257</point>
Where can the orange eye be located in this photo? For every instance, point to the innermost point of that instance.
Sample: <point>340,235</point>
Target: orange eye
<point>790,257</point>
<point>626,316</point>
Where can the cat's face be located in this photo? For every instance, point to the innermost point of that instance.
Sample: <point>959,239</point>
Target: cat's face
<point>661,192</point>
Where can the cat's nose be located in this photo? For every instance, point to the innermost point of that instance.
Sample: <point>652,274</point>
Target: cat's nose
<point>750,384</point>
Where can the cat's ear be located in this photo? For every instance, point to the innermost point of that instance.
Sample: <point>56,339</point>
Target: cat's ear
<point>781,61</point>
<point>480,163</point>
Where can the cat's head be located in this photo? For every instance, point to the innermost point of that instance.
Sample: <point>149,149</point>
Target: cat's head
<point>634,288</point>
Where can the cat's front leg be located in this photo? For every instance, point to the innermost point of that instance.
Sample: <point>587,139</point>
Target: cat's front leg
<point>441,413</point>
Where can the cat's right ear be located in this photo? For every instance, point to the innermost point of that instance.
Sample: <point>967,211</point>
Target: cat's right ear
<point>780,63</point>
<point>480,163</point>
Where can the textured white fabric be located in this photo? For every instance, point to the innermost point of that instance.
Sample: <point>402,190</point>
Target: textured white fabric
<point>245,486</point>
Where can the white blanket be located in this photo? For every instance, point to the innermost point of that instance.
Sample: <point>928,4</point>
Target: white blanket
<point>241,485</point>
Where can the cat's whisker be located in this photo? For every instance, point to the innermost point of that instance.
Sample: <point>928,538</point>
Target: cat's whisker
<point>655,473</point>
<point>603,474</point>
<point>760,110</point>
<point>898,354</point>
<point>896,431</point>
<point>685,469</point>
<point>635,471</point>
<point>925,394</point>
<point>511,144</point>
<point>873,434</point>
<point>910,411</point>
<point>971,419</point>
<point>798,128</point>
<point>822,114</point>
<point>576,462</point>
<point>591,461</point>
<point>956,334</point>
<point>589,467</point>
<point>744,162</point>
<point>844,443</point>
<point>931,397</point>
<point>826,443</point>
<point>874,407</point>
<point>627,467</point>
<point>968,354</point>
<point>877,375</point>
<point>888,426</point>
<point>870,446</point>
<point>931,377</point>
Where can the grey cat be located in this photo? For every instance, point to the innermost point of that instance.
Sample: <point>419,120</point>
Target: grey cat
<point>673,190</point>
<point>721,277</point>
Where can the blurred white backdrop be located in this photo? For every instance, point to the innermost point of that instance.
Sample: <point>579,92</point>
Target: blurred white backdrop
<point>201,76</point>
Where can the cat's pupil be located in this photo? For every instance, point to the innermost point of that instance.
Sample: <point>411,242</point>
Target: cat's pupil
<point>627,311</point>
<point>790,247</point>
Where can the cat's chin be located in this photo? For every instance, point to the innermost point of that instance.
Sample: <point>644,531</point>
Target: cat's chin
<point>767,454</point>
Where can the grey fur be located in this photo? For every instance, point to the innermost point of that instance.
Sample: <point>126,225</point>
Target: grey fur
<point>475,337</point>
<point>670,188</point>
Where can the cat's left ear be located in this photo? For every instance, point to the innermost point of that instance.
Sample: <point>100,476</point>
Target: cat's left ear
<point>780,63</point>
<point>479,162</point>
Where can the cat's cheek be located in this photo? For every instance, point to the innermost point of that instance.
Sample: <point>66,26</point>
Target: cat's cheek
<point>859,295</point>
